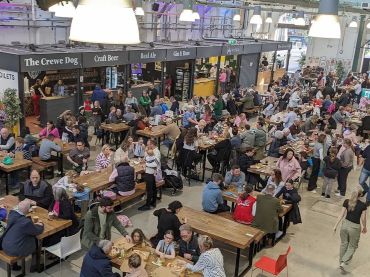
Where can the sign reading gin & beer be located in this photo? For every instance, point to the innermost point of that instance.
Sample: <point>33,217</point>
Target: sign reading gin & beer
<point>50,62</point>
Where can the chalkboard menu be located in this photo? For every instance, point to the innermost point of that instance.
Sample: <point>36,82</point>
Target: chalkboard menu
<point>182,84</point>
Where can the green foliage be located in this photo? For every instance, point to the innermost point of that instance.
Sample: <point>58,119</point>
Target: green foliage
<point>339,69</point>
<point>302,60</point>
<point>12,107</point>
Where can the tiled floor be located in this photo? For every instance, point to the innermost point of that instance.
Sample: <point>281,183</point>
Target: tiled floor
<point>315,246</point>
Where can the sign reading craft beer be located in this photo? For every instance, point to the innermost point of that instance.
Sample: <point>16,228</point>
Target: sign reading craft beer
<point>109,58</point>
<point>146,56</point>
<point>44,62</point>
<point>181,54</point>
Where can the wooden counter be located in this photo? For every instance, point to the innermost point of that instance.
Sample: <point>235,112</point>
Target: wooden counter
<point>204,87</point>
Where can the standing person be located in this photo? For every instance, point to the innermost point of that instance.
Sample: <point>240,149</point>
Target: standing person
<point>318,157</point>
<point>210,262</point>
<point>222,79</point>
<point>153,93</point>
<point>98,95</point>
<point>346,155</point>
<point>59,88</point>
<point>36,93</point>
<point>354,223</point>
<point>97,115</point>
<point>152,164</point>
<point>99,222</point>
<point>365,172</point>
<point>331,168</point>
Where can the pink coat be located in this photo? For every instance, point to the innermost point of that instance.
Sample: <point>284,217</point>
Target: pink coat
<point>44,133</point>
<point>289,169</point>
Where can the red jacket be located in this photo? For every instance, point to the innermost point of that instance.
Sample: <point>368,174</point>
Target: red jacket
<point>243,210</point>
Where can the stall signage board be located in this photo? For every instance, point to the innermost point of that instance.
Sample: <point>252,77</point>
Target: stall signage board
<point>8,79</point>
<point>209,51</point>
<point>365,93</point>
<point>109,58</point>
<point>252,48</point>
<point>181,54</point>
<point>268,47</point>
<point>230,50</point>
<point>284,46</point>
<point>43,62</point>
<point>145,56</point>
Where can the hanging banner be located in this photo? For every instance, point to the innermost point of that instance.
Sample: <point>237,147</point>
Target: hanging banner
<point>8,79</point>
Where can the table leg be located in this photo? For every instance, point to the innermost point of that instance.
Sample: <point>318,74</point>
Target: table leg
<point>159,142</point>
<point>7,183</point>
<point>236,273</point>
<point>61,157</point>
<point>204,164</point>
<point>38,256</point>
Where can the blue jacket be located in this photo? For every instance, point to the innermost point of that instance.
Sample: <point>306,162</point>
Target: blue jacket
<point>20,240</point>
<point>212,197</point>
<point>96,264</point>
<point>98,95</point>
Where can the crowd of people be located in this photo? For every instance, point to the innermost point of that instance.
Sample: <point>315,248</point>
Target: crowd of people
<point>330,147</point>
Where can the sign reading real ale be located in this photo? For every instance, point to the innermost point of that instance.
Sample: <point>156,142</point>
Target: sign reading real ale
<point>50,62</point>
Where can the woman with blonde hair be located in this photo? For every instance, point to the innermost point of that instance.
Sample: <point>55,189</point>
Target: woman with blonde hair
<point>354,223</point>
<point>211,261</point>
<point>104,157</point>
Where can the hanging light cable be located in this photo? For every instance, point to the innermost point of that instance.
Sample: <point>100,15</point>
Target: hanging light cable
<point>326,24</point>
<point>256,18</point>
<point>299,21</point>
<point>353,23</point>
<point>139,11</point>
<point>269,17</point>
<point>95,19</point>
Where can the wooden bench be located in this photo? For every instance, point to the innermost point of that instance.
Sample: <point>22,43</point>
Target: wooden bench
<point>44,165</point>
<point>10,260</point>
<point>227,215</point>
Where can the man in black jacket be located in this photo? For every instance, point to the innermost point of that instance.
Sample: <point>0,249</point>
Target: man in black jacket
<point>245,161</point>
<point>188,244</point>
<point>38,191</point>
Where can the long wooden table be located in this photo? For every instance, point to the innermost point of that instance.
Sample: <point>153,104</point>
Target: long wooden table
<point>115,128</point>
<point>297,146</point>
<point>156,132</point>
<point>149,266</point>
<point>279,117</point>
<point>18,163</point>
<point>50,226</point>
<point>224,230</point>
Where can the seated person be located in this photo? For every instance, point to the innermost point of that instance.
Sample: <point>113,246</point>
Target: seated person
<point>156,109</point>
<point>129,115</point>
<point>166,247</point>
<point>245,161</point>
<point>112,116</point>
<point>247,137</point>
<point>139,239</point>
<point>61,207</point>
<point>49,129</point>
<point>235,177</point>
<point>221,152</point>
<point>38,191</point>
<point>97,262</point>
<point>163,105</point>
<point>171,131</point>
<point>79,156</point>
<point>267,209</point>
<point>47,146</point>
<point>77,135</point>
<point>167,220</point>
<point>124,178</point>
<point>139,148</point>
<point>103,160</point>
<point>275,180</point>
<point>291,196</point>
<point>235,140</point>
<point>188,244</point>
<point>189,118</point>
<point>21,240</point>
<point>93,232</point>
<point>241,120</point>
<point>278,140</point>
<point>212,201</point>
<point>243,212</point>
<point>22,147</point>
<point>7,142</point>
<point>134,263</point>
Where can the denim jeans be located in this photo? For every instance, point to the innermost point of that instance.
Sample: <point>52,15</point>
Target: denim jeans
<point>364,176</point>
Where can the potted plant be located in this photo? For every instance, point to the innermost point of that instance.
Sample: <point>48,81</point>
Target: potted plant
<point>12,108</point>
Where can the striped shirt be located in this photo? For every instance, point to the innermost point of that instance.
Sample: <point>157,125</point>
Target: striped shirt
<point>26,152</point>
<point>210,263</point>
<point>101,162</point>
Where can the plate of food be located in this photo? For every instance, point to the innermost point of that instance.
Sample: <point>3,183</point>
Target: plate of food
<point>158,262</point>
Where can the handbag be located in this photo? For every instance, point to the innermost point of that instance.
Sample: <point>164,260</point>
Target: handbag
<point>8,160</point>
<point>110,194</point>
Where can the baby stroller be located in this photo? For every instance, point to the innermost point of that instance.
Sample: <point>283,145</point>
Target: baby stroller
<point>171,178</point>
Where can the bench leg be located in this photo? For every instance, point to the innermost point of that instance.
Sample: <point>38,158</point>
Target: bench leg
<point>24,267</point>
<point>8,270</point>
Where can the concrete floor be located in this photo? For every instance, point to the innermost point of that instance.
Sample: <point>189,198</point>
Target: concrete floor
<point>315,246</point>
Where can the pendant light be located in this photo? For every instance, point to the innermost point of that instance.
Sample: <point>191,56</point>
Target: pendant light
<point>63,9</point>
<point>187,12</point>
<point>299,21</point>
<point>195,13</point>
<point>106,22</point>
<point>236,17</point>
<point>269,17</point>
<point>326,24</point>
<point>368,25</point>
<point>353,23</point>
<point>256,18</point>
<point>139,11</point>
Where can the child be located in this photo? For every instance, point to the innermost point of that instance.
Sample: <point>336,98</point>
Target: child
<point>139,148</point>
<point>97,115</point>
<point>139,239</point>
<point>331,168</point>
<point>166,247</point>
<point>134,263</point>
<point>68,179</point>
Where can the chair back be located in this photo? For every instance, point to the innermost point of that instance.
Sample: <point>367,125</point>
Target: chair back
<point>70,245</point>
<point>282,261</point>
